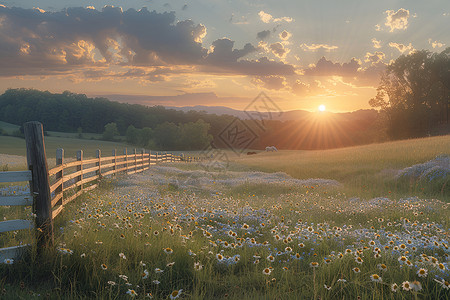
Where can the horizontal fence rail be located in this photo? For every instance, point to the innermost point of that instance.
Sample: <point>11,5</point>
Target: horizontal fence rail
<point>14,225</point>
<point>70,180</point>
<point>52,189</point>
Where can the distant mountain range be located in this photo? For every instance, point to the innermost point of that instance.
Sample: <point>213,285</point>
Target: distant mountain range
<point>283,116</point>
<point>184,100</point>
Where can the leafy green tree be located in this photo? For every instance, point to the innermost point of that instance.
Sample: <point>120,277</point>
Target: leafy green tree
<point>195,136</point>
<point>413,93</point>
<point>132,135</point>
<point>110,131</point>
<point>167,136</point>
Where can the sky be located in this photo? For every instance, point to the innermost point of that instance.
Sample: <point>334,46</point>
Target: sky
<point>301,54</point>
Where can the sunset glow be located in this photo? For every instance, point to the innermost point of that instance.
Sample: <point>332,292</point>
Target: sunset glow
<point>322,107</point>
<point>215,53</point>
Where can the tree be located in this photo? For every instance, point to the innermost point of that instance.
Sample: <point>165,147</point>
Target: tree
<point>413,93</point>
<point>132,135</point>
<point>110,131</point>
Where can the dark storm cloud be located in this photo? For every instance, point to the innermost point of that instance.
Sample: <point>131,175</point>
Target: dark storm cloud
<point>34,42</point>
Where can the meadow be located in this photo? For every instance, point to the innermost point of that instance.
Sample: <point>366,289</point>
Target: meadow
<point>308,232</point>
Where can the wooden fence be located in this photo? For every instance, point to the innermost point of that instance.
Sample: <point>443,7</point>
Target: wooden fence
<point>52,189</point>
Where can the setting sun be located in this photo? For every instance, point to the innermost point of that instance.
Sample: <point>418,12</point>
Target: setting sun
<point>322,107</point>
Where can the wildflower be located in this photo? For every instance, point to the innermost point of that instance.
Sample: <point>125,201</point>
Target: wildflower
<point>83,255</point>
<point>270,258</point>
<point>170,264</point>
<point>327,287</point>
<point>121,255</point>
<point>198,266</point>
<point>314,264</point>
<point>124,277</point>
<point>132,293</point>
<point>342,280</point>
<point>142,264</point>
<point>441,266</point>
<point>245,226</point>
<point>382,267</point>
<point>149,295</point>
<point>122,236</point>
<point>111,283</point>
<point>375,278</point>
<point>8,261</point>
<point>168,250</point>
<point>402,259</point>
<point>394,287</point>
<point>104,267</point>
<point>406,285</point>
<point>156,281</point>
<point>416,286</point>
<point>443,283</point>
<point>158,271</point>
<point>301,245</point>
<point>219,257</point>
<point>359,260</point>
<point>285,268</point>
<point>422,272</point>
<point>267,271</point>
<point>144,275</point>
<point>175,294</point>
<point>356,270</point>
<point>288,249</point>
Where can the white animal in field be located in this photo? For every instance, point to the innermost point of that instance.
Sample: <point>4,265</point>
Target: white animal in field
<point>271,149</point>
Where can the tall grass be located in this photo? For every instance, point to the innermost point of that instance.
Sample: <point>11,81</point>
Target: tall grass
<point>233,235</point>
<point>366,171</point>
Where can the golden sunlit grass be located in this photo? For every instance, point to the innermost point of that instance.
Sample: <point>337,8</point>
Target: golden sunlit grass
<point>364,170</point>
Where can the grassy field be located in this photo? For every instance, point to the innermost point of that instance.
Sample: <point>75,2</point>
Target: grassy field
<point>16,146</point>
<point>366,171</point>
<point>231,239</point>
<point>176,231</point>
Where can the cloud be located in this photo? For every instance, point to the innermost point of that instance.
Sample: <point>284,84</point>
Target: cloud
<point>284,35</point>
<point>402,48</point>
<point>435,44</point>
<point>376,43</point>
<point>267,18</point>
<point>317,47</point>
<point>263,34</point>
<point>397,19</point>
<point>270,82</point>
<point>33,42</point>
<point>185,7</point>
<point>279,50</point>
<point>303,89</point>
<point>375,57</point>
<point>377,27</point>
<point>326,67</point>
<point>82,39</point>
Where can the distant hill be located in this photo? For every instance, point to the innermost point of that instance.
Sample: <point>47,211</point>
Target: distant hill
<point>291,115</point>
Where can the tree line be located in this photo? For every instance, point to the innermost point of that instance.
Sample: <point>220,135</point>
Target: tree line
<point>414,95</point>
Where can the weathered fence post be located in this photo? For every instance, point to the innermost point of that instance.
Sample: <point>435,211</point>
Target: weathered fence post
<point>39,185</point>
<point>98,155</point>
<point>114,161</point>
<point>80,168</point>
<point>142,162</point>
<point>60,174</point>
